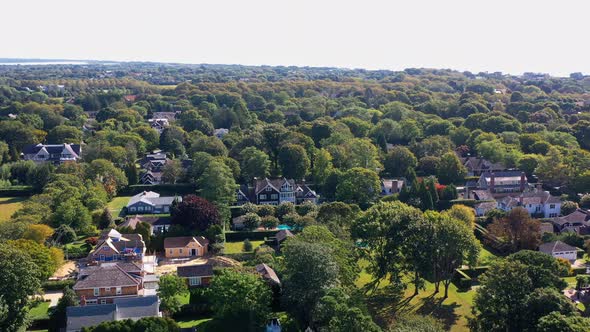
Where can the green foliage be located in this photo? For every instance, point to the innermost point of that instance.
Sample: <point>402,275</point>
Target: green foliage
<point>170,288</point>
<point>151,324</point>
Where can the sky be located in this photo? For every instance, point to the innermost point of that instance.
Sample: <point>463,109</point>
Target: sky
<point>513,36</point>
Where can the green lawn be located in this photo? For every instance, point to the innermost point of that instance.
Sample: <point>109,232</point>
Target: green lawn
<point>117,204</point>
<point>453,311</point>
<point>486,257</point>
<point>236,247</point>
<point>200,324</point>
<point>9,205</point>
<point>39,311</point>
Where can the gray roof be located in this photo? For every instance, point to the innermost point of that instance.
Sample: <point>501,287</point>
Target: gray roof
<point>268,273</point>
<point>183,241</point>
<point>89,315</point>
<point>556,246</point>
<point>137,307</point>
<point>203,270</point>
<point>283,234</point>
<point>152,198</point>
<point>107,276</point>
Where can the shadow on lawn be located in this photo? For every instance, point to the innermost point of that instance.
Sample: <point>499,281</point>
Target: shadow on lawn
<point>387,302</point>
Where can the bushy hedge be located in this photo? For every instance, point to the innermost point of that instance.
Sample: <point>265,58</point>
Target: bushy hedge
<point>578,270</point>
<point>465,278</point>
<point>16,191</point>
<point>252,236</point>
<point>163,189</point>
<point>53,285</point>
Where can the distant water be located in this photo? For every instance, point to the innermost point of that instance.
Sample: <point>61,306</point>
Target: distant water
<point>32,63</point>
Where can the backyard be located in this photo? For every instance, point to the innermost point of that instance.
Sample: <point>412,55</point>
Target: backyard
<point>9,205</point>
<point>236,247</point>
<point>117,205</point>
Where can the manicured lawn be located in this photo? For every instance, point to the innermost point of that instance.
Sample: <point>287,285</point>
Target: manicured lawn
<point>117,204</point>
<point>486,257</point>
<point>39,311</point>
<point>453,311</point>
<point>571,281</point>
<point>9,205</point>
<point>236,247</point>
<point>200,324</point>
<point>184,299</point>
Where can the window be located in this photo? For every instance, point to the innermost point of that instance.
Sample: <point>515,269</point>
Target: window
<point>274,196</point>
<point>107,289</point>
<point>118,292</point>
<point>171,251</point>
<point>262,196</point>
<point>180,251</point>
<point>552,206</point>
<point>268,189</point>
<point>103,301</point>
<point>90,301</point>
<point>96,291</point>
<point>194,281</point>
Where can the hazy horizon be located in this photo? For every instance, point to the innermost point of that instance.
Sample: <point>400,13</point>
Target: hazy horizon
<point>511,37</point>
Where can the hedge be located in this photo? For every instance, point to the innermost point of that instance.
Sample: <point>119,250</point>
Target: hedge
<point>579,270</point>
<point>252,236</point>
<point>466,202</point>
<point>16,191</point>
<point>465,278</point>
<point>52,285</point>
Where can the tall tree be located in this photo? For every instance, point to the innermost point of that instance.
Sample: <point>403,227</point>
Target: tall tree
<point>195,213</point>
<point>255,163</point>
<point>217,184</point>
<point>293,161</point>
<point>58,316</point>
<point>517,230</point>
<point>358,185</point>
<point>399,161</point>
<point>170,288</point>
<point>450,170</point>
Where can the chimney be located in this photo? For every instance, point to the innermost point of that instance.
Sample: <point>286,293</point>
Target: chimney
<point>521,199</point>
<point>522,181</point>
<point>82,300</point>
<point>492,182</point>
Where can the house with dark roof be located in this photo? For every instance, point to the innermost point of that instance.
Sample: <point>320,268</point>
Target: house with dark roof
<point>577,221</point>
<point>101,284</point>
<point>52,153</point>
<point>243,195</point>
<point>538,203</point>
<point>220,132</point>
<point>476,166</point>
<point>279,190</point>
<point>503,183</point>
<point>114,246</point>
<point>185,246</point>
<point>196,275</point>
<point>391,186</point>
<point>121,308</point>
<point>158,224</point>
<point>149,202</point>
<point>159,124</point>
<point>268,274</point>
<point>559,249</point>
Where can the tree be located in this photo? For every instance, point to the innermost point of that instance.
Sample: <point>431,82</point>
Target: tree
<point>358,185</point>
<point>309,271</point>
<point>106,219</point>
<point>322,167</point>
<point>568,207</point>
<point>551,169</point>
<point>112,178</point>
<point>463,213</point>
<point>151,324</point>
<point>20,278</point>
<point>254,163</point>
<point>269,222</point>
<point>399,162</point>
<point>172,171</point>
<point>450,170</point>
<point>38,233</point>
<point>64,234</point>
<point>517,230</point>
<point>247,246</point>
<point>339,311</point>
<point>195,213</point>
<point>293,161</point>
<point>544,301</point>
<point>58,316</point>
<point>251,221</point>
<point>557,322</point>
<point>240,301</point>
<point>64,134</point>
<point>217,184</point>
<point>170,288</point>
<point>41,256</point>
<point>543,270</point>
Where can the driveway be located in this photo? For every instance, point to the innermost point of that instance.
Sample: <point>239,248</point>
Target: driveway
<point>53,297</point>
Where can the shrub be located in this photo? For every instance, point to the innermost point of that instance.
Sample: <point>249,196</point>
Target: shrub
<point>585,201</point>
<point>269,222</point>
<point>266,210</point>
<point>247,247</point>
<point>64,234</point>
<point>284,209</point>
<point>251,221</point>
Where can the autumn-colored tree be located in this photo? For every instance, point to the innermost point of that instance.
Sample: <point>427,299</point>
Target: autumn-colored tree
<point>195,213</point>
<point>517,230</point>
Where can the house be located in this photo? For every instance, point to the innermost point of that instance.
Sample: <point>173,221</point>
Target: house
<point>220,132</point>
<point>152,166</point>
<point>537,203</point>
<point>577,221</point>
<point>278,190</point>
<point>149,202</point>
<point>546,227</point>
<point>149,177</point>
<point>158,224</point>
<point>559,249</point>
<point>476,166</point>
<point>242,195</point>
<point>114,246</point>
<point>130,98</point>
<point>104,283</point>
<point>196,275</point>
<point>482,208</point>
<point>268,274</point>
<point>159,124</point>
<point>391,186</point>
<point>505,182</point>
<point>185,246</point>
<point>122,308</point>
<point>53,153</point>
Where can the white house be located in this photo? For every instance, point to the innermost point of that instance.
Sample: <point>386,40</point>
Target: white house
<point>537,203</point>
<point>559,249</point>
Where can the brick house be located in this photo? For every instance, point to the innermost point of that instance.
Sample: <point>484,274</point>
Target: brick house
<point>185,246</point>
<point>101,284</point>
<point>114,246</point>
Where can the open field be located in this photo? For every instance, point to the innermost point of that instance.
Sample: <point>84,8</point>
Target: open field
<point>117,204</point>
<point>236,247</point>
<point>9,205</point>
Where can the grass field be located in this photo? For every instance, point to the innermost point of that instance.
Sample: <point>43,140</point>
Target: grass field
<point>9,205</point>
<point>117,204</point>
<point>200,324</point>
<point>452,311</point>
<point>39,311</point>
<point>236,247</point>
